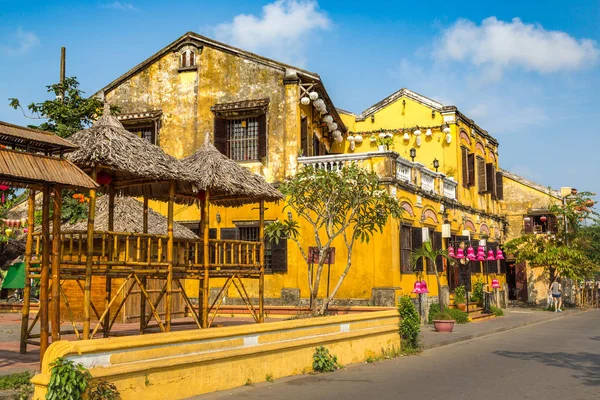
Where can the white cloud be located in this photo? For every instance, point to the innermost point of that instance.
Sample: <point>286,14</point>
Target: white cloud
<point>119,5</point>
<point>498,45</point>
<point>23,42</point>
<point>280,32</point>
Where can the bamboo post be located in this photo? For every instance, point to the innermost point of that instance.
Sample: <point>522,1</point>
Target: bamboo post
<point>205,204</point>
<point>169,300</point>
<point>143,279</point>
<point>27,290</point>
<point>108,279</point>
<point>56,241</point>
<point>261,278</point>
<point>45,273</point>
<point>87,295</point>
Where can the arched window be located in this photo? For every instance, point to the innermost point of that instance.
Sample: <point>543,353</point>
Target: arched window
<point>187,59</point>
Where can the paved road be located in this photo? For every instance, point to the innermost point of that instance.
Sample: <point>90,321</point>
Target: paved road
<point>555,360</point>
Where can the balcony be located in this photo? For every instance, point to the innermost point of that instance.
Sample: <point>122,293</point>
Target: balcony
<point>391,168</point>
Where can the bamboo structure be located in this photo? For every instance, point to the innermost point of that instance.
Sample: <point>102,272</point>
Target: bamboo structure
<point>128,255</point>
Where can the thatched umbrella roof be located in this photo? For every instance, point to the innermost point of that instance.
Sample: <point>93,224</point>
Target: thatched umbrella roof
<point>128,218</point>
<point>129,159</point>
<point>228,183</point>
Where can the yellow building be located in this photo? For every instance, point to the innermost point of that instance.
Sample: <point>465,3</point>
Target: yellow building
<point>526,207</point>
<point>273,118</point>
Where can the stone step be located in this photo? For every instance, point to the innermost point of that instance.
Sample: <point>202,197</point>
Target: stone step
<point>479,317</point>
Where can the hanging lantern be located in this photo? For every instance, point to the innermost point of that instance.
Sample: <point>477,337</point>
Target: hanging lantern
<point>25,230</point>
<point>406,137</point>
<point>350,138</point>
<point>428,133</point>
<point>313,95</point>
<point>4,188</point>
<point>480,254</point>
<point>104,178</point>
<point>446,129</point>
<point>471,253</point>
<point>358,139</point>
<point>305,101</point>
<point>339,139</point>
<point>460,253</point>
<point>499,255</point>
<point>424,287</point>
<point>332,126</point>
<point>352,146</point>
<point>336,134</point>
<point>543,218</point>
<point>328,119</point>
<point>417,288</point>
<point>495,284</point>
<point>418,141</point>
<point>319,103</point>
<point>451,252</point>
<point>448,138</point>
<point>8,232</point>
<point>490,256</point>
<point>417,132</point>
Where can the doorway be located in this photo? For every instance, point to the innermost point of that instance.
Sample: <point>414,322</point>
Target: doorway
<point>516,280</point>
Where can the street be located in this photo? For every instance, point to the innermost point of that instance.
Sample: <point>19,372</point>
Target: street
<point>559,359</point>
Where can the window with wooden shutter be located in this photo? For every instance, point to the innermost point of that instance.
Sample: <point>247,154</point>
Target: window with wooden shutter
<point>482,183</point>
<point>406,247</point>
<point>417,242</point>
<point>220,130</point>
<point>491,179</point>
<point>471,167</point>
<point>229,233</point>
<point>304,136</point>
<point>276,256</point>
<point>499,186</point>
<point>552,224</point>
<point>262,136</point>
<point>528,224</point>
<point>465,166</point>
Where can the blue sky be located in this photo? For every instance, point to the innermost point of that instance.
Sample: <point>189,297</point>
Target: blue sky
<point>527,72</point>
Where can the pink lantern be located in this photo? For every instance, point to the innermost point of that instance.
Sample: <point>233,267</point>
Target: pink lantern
<point>3,188</point>
<point>460,253</point>
<point>495,284</point>
<point>499,255</point>
<point>417,288</point>
<point>480,254</point>
<point>25,230</point>
<point>471,253</point>
<point>424,287</point>
<point>451,252</point>
<point>490,256</point>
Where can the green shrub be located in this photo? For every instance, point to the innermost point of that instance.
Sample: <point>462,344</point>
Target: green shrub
<point>68,381</point>
<point>18,382</point>
<point>103,391</point>
<point>477,295</point>
<point>323,361</point>
<point>434,308</point>
<point>460,317</point>
<point>443,316</point>
<point>497,311</point>
<point>410,324</point>
<point>460,295</point>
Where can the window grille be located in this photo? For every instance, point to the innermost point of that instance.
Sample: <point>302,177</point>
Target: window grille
<point>242,139</point>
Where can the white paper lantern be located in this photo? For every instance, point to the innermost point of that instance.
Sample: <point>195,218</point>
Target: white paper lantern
<point>339,139</point>
<point>418,132</point>
<point>389,135</point>
<point>406,136</point>
<point>313,95</point>
<point>428,133</point>
<point>382,135</point>
<point>350,138</point>
<point>328,119</point>
<point>448,138</point>
<point>333,126</point>
<point>446,129</point>
<point>336,133</point>
<point>319,103</point>
<point>305,101</point>
<point>418,141</point>
<point>358,138</point>
<point>352,146</point>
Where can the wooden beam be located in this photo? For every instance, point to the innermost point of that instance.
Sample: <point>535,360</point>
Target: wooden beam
<point>170,253</point>
<point>108,279</point>
<point>261,280</point>
<point>45,273</point>
<point>87,296</point>
<point>205,213</point>
<point>56,242</point>
<point>27,290</point>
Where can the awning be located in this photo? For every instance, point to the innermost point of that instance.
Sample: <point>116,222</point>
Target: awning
<point>15,277</point>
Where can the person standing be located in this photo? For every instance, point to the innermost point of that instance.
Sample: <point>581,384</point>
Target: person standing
<point>556,289</point>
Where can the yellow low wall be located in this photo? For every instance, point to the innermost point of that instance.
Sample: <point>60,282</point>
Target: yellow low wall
<point>178,365</point>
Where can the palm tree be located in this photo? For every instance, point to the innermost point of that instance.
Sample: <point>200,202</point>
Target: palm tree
<point>428,252</point>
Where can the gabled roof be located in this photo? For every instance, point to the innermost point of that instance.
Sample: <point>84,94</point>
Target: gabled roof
<point>32,139</point>
<point>533,185</point>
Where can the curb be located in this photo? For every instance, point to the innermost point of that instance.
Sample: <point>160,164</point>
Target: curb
<point>497,330</point>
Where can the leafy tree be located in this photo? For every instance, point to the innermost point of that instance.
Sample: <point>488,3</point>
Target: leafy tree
<point>569,252</point>
<point>427,251</point>
<point>64,115</point>
<point>348,204</point>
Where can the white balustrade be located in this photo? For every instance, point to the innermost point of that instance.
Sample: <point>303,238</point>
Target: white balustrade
<point>428,180</point>
<point>450,188</point>
<point>403,170</point>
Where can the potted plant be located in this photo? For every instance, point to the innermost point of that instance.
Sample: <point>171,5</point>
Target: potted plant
<point>384,141</point>
<point>460,299</point>
<point>443,322</point>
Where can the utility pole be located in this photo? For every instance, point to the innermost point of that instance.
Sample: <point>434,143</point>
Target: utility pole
<point>63,56</point>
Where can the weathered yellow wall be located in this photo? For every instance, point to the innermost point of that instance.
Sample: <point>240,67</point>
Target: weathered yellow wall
<point>179,365</point>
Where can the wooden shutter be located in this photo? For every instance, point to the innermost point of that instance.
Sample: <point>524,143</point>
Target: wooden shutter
<point>528,225</point>
<point>491,179</point>
<point>304,136</point>
<point>229,233</point>
<point>552,224</point>
<point>499,186</point>
<point>221,135</point>
<point>417,242</point>
<point>405,246</point>
<point>502,266</point>
<point>262,136</point>
<point>471,167</point>
<point>465,166</point>
<point>279,256</point>
<point>482,181</point>
<point>437,245</point>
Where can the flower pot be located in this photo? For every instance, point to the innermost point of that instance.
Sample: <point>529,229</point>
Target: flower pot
<point>461,306</point>
<point>381,147</point>
<point>442,325</point>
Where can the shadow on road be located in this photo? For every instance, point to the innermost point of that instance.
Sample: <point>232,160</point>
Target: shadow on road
<point>586,366</point>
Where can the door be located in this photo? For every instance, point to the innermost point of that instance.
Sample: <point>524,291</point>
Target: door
<point>521,281</point>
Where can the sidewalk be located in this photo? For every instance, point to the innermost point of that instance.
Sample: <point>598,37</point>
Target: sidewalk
<point>513,318</point>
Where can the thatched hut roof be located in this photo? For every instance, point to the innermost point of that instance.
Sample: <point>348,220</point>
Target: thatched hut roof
<point>129,158</point>
<point>128,218</point>
<point>228,183</point>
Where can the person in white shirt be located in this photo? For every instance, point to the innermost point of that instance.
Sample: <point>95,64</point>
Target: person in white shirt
<point>556,290</point>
